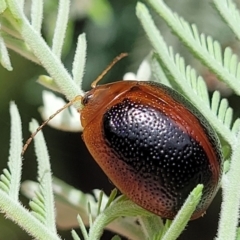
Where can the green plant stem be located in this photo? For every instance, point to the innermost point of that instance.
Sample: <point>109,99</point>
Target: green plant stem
<point>61,26</point>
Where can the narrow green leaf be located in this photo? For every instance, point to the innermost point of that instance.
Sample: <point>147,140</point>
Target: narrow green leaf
<point>222,109</point>
<point>5,180</point>
<point>82,227</point>
<point>193,78</point>
<point>39,196</point>
<point>218,51</point>
<point>75,235</point>
<point>202,89</point>
<point>215,102</point>
<point>228,117</point>
<point>233,64</point>
<point>111,197</point>
<point>180,221</point>
<point>4,57</point>
<point>236,126</point>
<point>79,60</point>
<point>15,160</point>
<point>45,179</point>
<point>203,40</point>
<point>4,187</point>
<point>209,45</point>
<point>60,28</point>
<point>39,203</point>
<point>39,216</point>
<point>227,57</point>
<point>7,173</point>
<point>100,198</point>
<point>37,209</point>
<point>37,14</point>
<point>90,217</point>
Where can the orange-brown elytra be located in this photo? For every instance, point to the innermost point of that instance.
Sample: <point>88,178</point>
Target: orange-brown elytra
<point>152,143</point>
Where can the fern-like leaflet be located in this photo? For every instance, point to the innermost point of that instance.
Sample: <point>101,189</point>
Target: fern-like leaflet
<point>203,47</point>
<point>10,185</point>
<point>11,177</point>
<point>218,106</point>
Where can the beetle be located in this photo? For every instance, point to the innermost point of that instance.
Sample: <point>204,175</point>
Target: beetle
<point>153,145</point>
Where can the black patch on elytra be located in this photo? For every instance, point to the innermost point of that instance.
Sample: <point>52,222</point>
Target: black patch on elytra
<point>154,145</point>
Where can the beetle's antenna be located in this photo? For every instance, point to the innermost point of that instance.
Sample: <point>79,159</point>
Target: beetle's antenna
<point>46,122</point>
<point>115,60</point>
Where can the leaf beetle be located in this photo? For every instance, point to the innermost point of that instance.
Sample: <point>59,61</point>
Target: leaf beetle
<point>151,142</point>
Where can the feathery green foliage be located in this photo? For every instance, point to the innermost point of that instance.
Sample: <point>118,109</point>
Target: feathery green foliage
<point>204,48</point>
<point>23,35</point>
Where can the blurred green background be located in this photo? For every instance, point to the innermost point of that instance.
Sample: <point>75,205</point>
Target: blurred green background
<point>111,27</point>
